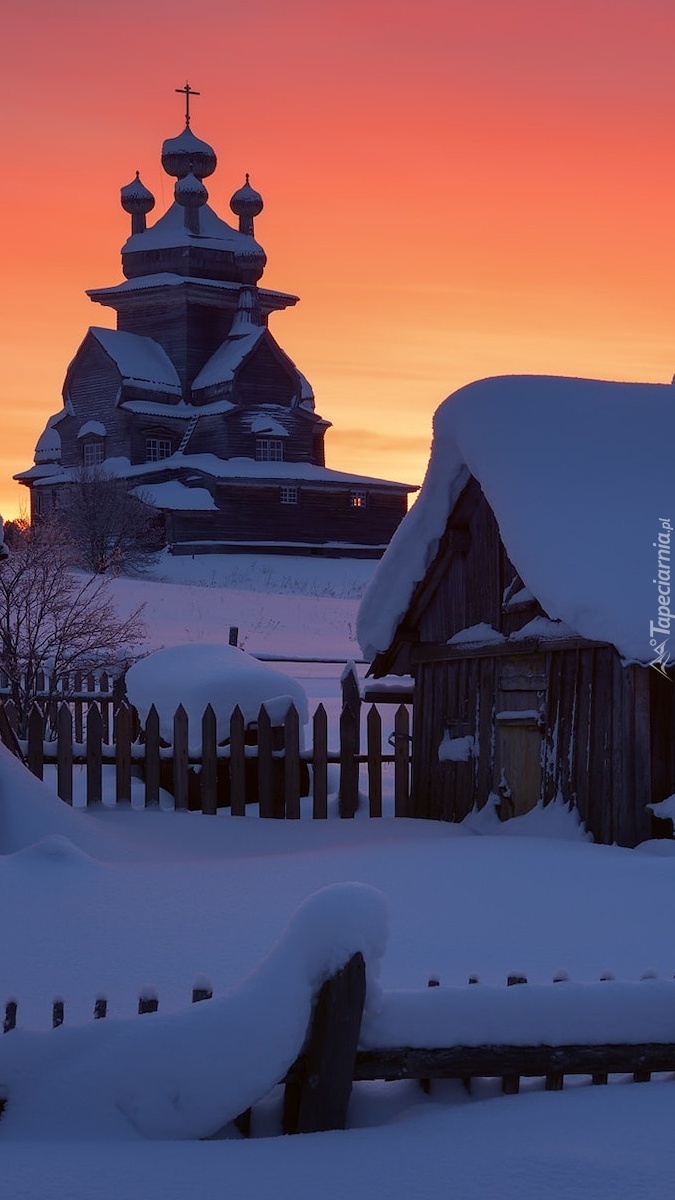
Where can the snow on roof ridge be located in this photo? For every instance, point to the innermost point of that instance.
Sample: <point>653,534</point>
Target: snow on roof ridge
<point>570,467</point>
<point>140,359</point>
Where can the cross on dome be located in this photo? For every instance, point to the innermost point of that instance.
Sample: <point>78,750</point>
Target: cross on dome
<point>187,91</point>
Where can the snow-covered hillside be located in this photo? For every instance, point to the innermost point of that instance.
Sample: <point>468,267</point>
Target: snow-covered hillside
<point>112,903</point>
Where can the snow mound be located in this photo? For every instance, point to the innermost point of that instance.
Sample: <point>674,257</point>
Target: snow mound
<point>58,851</point>
<point>200,674</point>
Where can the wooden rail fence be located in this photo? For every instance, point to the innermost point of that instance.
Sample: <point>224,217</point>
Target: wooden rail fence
<point>318,1085</point>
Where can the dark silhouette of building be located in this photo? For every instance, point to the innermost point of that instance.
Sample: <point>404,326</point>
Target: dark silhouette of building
<point>192,400</point>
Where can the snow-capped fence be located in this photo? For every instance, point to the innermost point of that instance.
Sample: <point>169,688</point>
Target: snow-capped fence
<point>148,1002</point>
<point>540,1031</point>
<point>262,764</point>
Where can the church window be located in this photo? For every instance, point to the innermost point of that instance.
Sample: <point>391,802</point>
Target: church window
<point>92,454</point>
<point>157,448</point>
<point>289,495</point>
<point>269,450</point>
<point>357,499</point>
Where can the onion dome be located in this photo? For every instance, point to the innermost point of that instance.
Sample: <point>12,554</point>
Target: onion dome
<point>136,198</point>
<point>191,194</point>
<point>246,204</point>
<point>187,154</point>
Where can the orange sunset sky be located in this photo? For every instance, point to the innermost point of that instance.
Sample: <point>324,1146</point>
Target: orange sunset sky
<point>453,189</point>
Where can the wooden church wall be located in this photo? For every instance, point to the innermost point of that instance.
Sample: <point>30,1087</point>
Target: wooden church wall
<point>93,388</point>
<point>257,514</point>
<point>264,380</point>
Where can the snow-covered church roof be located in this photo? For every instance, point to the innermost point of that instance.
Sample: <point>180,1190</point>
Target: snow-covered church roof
<point>579,477</point>
<point>139,359</point>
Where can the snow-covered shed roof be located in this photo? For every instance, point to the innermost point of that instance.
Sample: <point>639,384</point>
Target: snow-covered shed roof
<point>578,475</point>
<point>139,359</point>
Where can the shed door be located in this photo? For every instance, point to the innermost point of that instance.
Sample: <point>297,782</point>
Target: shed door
<point>519,713</point>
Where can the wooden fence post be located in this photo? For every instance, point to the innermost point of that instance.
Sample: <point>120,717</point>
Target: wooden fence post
<point>122,732</point>
<point>320,764</point>
<point>401,762</point>
<point>209,775</point>
<point>349,766</point>
<point>64,754</point>
<point>237,764</point>
<point>77,681</point>
<point>181,763</point>
<point>104,704</point>
<point>351,695</point>
<point>292,763</point>
<point>36,734</point>
<point>374,732</point>
<point>270,804</point>
<point>318,1099</point>
<point>152,757</point>
<point>94,755</point>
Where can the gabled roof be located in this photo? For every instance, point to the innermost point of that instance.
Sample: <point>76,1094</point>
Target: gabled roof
<point>224,363</point>
<point>227,359</point>
<point>139,360</point>
<point>578,475</point>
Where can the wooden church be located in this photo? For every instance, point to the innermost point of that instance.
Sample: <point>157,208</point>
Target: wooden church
<point>528,593</point>
<point>192,401</point>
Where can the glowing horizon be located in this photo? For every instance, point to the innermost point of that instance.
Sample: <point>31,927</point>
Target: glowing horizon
<point>453,192</point>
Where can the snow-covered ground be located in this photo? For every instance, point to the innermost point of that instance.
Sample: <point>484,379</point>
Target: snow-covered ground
<point>115,902</point>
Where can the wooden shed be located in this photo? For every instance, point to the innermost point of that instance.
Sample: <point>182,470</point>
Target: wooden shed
<point>528,593</point>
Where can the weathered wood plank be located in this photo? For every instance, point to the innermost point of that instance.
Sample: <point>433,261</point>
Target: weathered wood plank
<point>349,767</point>
<point>152,746</point>
<point>401,762</point>
<point>122,731</point>
<point>319,1097</point>
<point>180,759</point>
<point>64,754</point>
<point>292,763</point>
<point>35,749</point>
<point>455,1062</point>
<point>320,764</point>
<point>271,803</point>
<point>374,739</point>
<point>237,764</point>
<point>209,773</point>
<point>94,755</point>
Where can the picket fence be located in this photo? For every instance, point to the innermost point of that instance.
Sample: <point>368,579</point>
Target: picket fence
<point>261,764</point>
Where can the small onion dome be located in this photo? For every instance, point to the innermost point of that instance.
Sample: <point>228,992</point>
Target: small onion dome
<point>246,202</point>
<point>187,154</point>
<point>190,192</point>
<point>136,198</point>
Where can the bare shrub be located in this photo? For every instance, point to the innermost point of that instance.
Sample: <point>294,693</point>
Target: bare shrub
<point>112,530</point>
<point>55,620</point>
